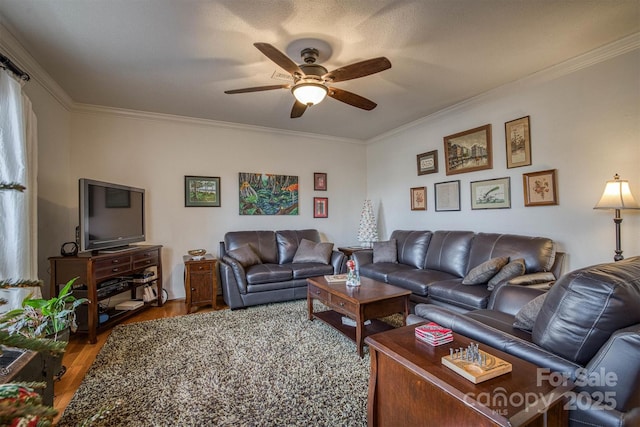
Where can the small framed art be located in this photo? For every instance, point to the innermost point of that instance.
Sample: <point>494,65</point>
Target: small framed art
<point>540,188</point>
<point>320,181</point>
<point>468,151</point>
<point>419,199</point>
<point>320,207</point>
<point>202,191</point>
<point>491,194</point>
<point>518,140</point>
<point>427,162</point>
<point>447,196</point>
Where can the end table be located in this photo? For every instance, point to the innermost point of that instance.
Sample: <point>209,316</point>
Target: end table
<point>200,283</point>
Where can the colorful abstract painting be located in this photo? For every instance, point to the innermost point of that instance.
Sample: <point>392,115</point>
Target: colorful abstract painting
<point>268,194</point>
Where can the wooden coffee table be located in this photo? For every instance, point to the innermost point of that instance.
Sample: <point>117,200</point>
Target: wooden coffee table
<point>369,301</point>
<point>409,386</point>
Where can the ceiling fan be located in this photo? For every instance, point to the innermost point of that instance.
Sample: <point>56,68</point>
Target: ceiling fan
<point>311,81</point>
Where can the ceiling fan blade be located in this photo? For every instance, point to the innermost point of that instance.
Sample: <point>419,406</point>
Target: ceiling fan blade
<point>256,89</point>
<point>279,58</point>
<point>357,70</point>
<point>351,98</point>
<point>298,109</point>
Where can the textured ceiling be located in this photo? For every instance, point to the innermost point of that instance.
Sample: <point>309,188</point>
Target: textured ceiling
<point>178,57</point>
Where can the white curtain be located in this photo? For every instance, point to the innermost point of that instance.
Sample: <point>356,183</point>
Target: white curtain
<point>18,211</point>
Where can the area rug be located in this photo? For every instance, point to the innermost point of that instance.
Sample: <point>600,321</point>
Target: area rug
<point>262,366</point>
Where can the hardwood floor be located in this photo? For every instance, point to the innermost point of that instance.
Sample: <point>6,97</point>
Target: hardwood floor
<point>79,354</point>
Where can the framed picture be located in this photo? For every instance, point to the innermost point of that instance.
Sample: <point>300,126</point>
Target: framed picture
<point>518,140</point>
<point>447,196</point>
<point>320,207</point>
<point>491,194</point>
<point>320,181</point>
<point>468,151</point>
<point>267,194</point>
<point>428,162</point>
<point>419,199</point>
<point>540,188</point>
<point>202,191</point>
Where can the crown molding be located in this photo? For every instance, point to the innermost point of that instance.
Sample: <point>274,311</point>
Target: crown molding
<point>24,60</point>
<point>596,56</point>
<point>80,108</point>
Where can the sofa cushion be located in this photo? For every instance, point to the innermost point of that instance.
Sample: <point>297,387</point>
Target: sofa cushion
<point>538,252</point>
<point>267,273</point>
<point>499,320</point>
<point>386,251</point>
<point>264,243</point>
<point>412,246</point>
<point>455,293</point>
<point>245,255</point>
<point>449,251</point>
<point>513,269</point>
<point>306,270</point>
<point>533,279</point>
<point>381,270</point>
<point>289,240</point>
<point>526,317</point>
<point>309,251</point>
<point>417,281</point>
<point>485,271</point>
<point>583,308</point>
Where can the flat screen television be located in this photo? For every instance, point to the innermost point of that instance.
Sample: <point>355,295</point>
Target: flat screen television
<point>111,216</point>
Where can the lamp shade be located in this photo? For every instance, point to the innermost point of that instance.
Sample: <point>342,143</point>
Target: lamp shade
<point>309,93</point>
<point>617,195</point>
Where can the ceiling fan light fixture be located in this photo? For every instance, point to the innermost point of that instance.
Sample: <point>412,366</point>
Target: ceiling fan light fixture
<point>309,93</point>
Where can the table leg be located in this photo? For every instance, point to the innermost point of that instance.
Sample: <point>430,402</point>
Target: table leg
<point>359,332</point>
<point>309,305</point>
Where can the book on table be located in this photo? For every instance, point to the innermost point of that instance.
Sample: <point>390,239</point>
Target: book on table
<point>335,278</point>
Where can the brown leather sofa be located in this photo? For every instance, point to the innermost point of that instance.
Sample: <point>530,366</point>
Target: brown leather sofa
<point>273,276</point>
<point>433,265</point>
<point>587,329</point>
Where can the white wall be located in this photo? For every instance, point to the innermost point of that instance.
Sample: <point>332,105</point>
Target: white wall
<point>585,124</point>
<point>155,153</point>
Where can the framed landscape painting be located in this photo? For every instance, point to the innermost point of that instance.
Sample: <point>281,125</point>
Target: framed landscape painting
<point>491,194</point>
<point>468,151</point>
<point>518,140</point>
<point>267,194</point>
<point>540,188</point>
<point>202,191</point>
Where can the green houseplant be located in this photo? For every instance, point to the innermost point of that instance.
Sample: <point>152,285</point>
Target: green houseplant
<point>44,318</point>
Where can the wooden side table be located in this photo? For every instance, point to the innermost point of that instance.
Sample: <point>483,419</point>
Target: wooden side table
<point>200,283</point>
<point>349,250</point>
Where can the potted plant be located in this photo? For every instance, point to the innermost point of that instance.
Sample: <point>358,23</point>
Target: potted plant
<point>45,318</point>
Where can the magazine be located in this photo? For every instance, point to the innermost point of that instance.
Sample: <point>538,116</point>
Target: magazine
<point>335,278</point>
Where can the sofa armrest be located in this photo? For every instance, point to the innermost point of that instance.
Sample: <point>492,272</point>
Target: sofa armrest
<point>229,285</point>
<point>339,262</point>
<point>511,298</point>
<point>362,257</point>
<point>495,338</point>
<point>239,274</point>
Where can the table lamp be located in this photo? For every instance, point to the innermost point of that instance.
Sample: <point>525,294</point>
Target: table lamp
<point>617,195</point>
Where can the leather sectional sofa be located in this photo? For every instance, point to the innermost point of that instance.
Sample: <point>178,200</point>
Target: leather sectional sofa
<point>433,265</point>
<point>259,267</point>
<point>586,327</point>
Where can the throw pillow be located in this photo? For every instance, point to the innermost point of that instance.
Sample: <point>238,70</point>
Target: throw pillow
<point>485,271</point>
<point>514,269</point>
<point>526,317</point>
<point>533,279</point>
<point>385,251</point>
<point>245,255</point>
<point>309,251</point>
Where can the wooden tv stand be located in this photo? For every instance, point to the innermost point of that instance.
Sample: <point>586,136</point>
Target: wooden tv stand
<point>93,270</point>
